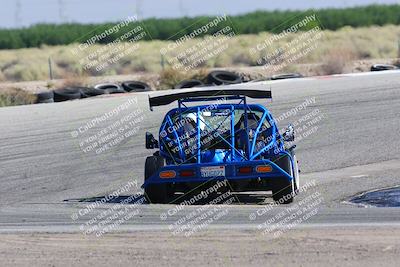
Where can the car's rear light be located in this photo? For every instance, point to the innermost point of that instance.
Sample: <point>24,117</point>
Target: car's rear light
<point>245,169</point>
<point>264,168</point>
<point>187,173</point>
<point>167,174</point>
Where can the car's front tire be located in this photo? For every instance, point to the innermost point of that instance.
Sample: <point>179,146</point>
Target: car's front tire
<point>155,193</point>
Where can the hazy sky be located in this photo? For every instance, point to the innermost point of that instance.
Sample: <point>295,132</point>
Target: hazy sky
<point>17,13</point>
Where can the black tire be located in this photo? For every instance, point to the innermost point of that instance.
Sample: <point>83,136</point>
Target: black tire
<point>155,193</point>
<point>220,77</point>
<point>135,86</point>
<point>283,191</point>
<point>381,67</point>
<point>189,84</point>
<point>286,76</point>
<point>90,91</point>
<point>110,88</point>
<point>45,97</point>
<point>50,100</point>
<point>68,93</point>
<point>296,174</point>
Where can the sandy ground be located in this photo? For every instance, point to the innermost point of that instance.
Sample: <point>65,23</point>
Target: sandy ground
<point>311,247</point>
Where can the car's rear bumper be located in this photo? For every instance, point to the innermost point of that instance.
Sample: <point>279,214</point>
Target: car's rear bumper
<point>231,172</point>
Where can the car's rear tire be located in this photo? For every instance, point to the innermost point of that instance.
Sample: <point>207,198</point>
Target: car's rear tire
<point>155,193</point>
<point>283,190</point>
<point>296,174</point>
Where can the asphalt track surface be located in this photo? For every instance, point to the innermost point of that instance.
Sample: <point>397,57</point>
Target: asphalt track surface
<point>45,174</point>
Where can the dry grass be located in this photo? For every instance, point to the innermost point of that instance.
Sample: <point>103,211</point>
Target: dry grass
<point>74,80</point>
<point>15,96</point>
<point>364,43</point>
<point>396,62</point>
<point>336,60</point>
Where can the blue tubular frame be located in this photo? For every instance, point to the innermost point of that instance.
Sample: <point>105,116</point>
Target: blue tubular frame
<point>246,127</point>
<point>273,139</point>
<point>181,154</point>
<point>198,137</point>
<point>233,132</point>
<point>256,134</point>
<point>250,156</point>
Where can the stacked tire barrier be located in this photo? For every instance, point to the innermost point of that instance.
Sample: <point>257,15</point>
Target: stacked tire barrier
<point>218,77</point>
<point>78,92</point>
<point>45,97</point>
<point>189,84</point>
<point>110,88</point>
<point>214,78</point>
<point>68,93</point>
<point>382,67</point>
<point>135,86</point>
<point>221,77</point>
<point>286,76</point>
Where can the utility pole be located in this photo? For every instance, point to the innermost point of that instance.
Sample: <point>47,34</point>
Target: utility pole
<point>182,9</point>
<point>17,15</point>
<point>61,11</point>
<point>139,9</point>
<point>50,69</point>
<point>398,47</point>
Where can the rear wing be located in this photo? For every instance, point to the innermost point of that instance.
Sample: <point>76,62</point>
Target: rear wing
<point>204,95</point>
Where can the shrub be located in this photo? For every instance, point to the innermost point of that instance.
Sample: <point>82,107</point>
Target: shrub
<point>2,76</point>
<point>336,60</point>
<point>170,77</point>
<point>15,96</point>
<point>72,80</point>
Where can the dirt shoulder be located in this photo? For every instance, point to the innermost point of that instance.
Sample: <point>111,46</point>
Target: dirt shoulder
<point>301,247</point>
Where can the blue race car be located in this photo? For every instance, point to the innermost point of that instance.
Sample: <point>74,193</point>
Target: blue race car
<point>226,139</point>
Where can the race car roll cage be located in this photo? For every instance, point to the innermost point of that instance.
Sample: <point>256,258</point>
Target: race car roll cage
<point>250,147</point>
<point>211,95</point>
